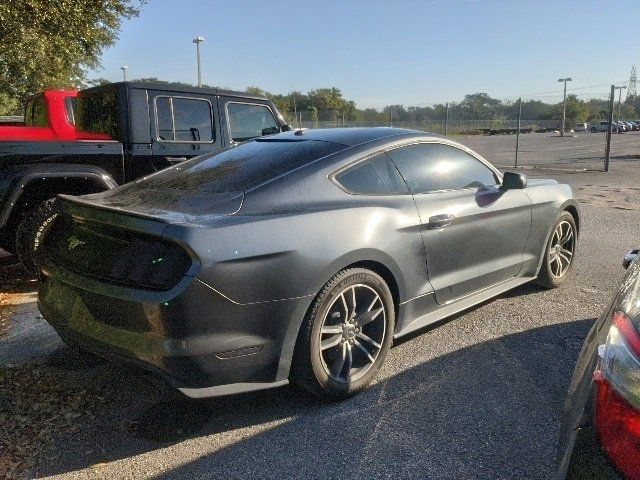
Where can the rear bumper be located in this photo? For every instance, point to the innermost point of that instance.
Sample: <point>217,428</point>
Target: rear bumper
<point>588,460</point>
<point>196,339</point>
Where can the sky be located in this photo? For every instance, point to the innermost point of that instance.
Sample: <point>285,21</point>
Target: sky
<point>385,52</point>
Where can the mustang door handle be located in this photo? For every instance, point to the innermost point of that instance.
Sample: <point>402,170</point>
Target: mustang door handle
<point>176,159</point>
<point>439,221</point>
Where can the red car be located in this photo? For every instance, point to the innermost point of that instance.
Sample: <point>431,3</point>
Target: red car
<point>48,116</point>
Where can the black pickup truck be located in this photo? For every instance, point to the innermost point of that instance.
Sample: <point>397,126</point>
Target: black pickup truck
<point>151,126</point>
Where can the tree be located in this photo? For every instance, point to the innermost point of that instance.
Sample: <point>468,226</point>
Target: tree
<point>51,44</point>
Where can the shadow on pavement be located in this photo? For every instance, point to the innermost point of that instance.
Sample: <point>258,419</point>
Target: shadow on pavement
<point>490,410</point>
<point>13,277</point>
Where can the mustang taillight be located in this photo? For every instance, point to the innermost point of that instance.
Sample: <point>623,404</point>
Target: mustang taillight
<point>116,255</point>
<point>618,397</point>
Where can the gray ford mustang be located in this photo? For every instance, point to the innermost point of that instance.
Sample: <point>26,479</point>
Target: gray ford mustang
<point>299,256</point>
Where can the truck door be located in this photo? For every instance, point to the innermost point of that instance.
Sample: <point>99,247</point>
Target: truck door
<point>182,126</point>
<point>247,119</point>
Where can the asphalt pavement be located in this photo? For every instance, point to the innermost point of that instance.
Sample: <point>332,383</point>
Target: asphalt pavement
<point>478,396</point>
<point>575,151</point>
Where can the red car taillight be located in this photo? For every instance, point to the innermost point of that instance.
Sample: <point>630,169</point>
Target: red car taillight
<point>618,398</point>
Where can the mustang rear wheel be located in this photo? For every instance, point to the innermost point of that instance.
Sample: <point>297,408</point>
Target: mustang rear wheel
<point>560,252</point>
<point>346,335</point>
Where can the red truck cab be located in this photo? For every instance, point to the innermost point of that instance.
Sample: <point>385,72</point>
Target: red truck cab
<point>48,116</point>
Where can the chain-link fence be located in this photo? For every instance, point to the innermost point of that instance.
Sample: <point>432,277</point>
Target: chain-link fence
<point>523,132</point>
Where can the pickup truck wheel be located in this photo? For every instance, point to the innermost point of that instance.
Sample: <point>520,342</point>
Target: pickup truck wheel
<point>31,231</point>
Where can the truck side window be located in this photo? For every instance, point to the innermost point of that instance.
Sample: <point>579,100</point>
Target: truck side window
<point>250,120</point>
<point>36,113</point>
<point>181,119</point>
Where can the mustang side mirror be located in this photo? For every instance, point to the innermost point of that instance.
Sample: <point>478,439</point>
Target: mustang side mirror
<point>512,181</point>
<point>287,128</point>
<point>629,257</point>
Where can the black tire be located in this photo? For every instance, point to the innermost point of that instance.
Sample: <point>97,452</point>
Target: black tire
<point>31,231</point>
<point>594,130</point>
<point>310,369</point>
<point>552,272</point>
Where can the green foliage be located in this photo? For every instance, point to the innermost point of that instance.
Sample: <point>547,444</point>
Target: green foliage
<point>51,44</point>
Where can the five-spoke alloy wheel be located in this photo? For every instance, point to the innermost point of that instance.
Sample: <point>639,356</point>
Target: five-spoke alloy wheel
<point>560,252</point>
<point>346,335</point>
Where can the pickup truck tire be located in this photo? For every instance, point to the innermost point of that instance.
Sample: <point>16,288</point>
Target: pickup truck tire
<point>31,231</point>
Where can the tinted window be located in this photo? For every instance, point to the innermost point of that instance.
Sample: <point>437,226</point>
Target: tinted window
<point>184,119</point>
<point>377,175</point>
<point>430,167</point>
<point>36,114</point>
<point>97,112</point>
<point>164,118</point>
<point>192,120</point>
<point>247,121</point>
<point>236,169</point>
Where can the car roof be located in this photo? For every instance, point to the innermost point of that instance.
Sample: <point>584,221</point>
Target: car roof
<point>174,87</point>
<point>348,136</point>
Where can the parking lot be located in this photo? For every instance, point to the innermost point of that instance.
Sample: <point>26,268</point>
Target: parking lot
<point>579,151</point>
<point>478,396</point>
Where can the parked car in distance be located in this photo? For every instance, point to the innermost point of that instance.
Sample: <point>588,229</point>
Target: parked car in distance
<point>636,125</point>
<point>150,126</point>
<point>581,127</point>
<point>601,126</point>
<point>297,257</point>
<point>600,433</point>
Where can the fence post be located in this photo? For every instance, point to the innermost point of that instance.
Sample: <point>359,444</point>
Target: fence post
<point>446,120</point>
<point>607,151</point>
<point>518,131</point>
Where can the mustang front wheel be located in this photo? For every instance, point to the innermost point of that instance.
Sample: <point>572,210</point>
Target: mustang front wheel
<point>560,252</point>
<point>346,335</point>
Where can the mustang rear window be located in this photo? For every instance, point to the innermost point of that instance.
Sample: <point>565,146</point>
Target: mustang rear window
<point>237,169</point>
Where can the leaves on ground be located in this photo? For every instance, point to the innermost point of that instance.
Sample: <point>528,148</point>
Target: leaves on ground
<point>36,405</point>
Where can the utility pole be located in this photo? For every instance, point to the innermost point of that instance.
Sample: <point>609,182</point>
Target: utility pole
<point>124,72</point>
<point>446,119</point>
<point>198,41</point>
<point>607,150</point>
<point>295,110</point>
<point>564,103</point>
<point>518,131</point>
<point>620,98</point>
<point>390,114</point>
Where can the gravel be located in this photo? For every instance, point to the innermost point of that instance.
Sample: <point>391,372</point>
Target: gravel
<point>477,396</point>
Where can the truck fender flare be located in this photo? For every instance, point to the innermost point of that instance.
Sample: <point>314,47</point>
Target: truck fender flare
<point>96,174</point>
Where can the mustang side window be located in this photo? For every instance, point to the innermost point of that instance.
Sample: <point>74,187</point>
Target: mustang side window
<point>247,121</point>
<point>185,120</point>
<point>375,176</point>
<point>431,167</point>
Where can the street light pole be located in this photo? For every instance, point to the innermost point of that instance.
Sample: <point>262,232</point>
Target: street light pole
<point>620,99</point>
<point>198,41</point>
<point>564,103</point>
<point>124,72</point>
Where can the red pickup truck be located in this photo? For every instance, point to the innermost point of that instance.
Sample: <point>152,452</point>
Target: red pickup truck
<point>48,116</point>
